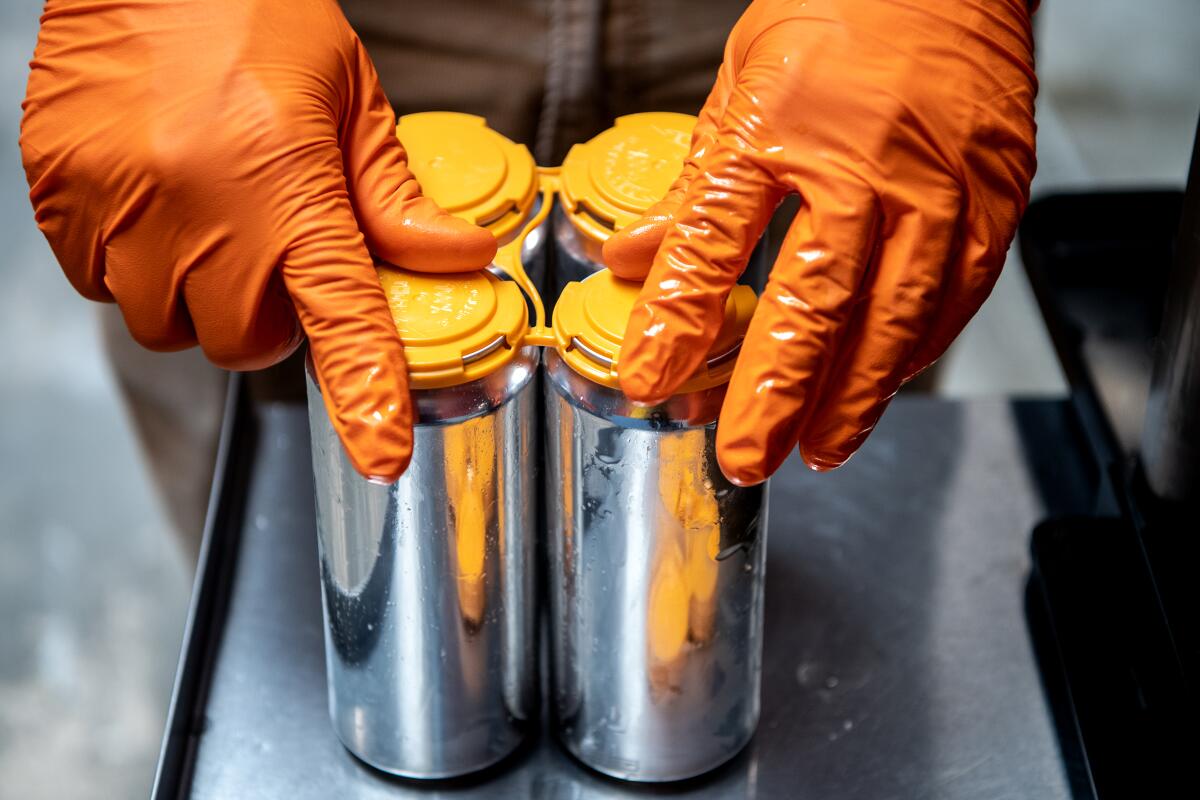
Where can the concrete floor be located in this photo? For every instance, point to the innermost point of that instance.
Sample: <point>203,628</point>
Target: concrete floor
<point>93,588</point>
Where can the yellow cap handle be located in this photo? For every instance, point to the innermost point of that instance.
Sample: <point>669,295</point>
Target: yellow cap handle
<point>509,260</point>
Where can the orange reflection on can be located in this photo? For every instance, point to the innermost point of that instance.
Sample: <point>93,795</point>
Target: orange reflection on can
<point>682,602</point>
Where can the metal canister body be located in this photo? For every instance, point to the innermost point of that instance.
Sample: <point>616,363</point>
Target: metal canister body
<point>428,584</point>
<point>656,582</point>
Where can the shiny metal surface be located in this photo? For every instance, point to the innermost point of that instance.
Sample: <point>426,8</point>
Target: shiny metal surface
<point>896,661</point>
<point>428,584</point>
<point>656,583</point>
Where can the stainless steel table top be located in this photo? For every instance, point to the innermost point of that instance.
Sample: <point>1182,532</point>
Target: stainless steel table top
<point>897,660</point>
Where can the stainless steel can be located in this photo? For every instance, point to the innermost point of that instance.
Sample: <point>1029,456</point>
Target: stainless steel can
<point>656,569</point>
<point>428,584</point>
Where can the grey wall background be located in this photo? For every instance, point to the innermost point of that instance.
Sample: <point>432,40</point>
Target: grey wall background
<point>93,588</point>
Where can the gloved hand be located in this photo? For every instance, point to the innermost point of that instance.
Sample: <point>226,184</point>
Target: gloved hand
<point>907,130</point>
<point>224,170</point>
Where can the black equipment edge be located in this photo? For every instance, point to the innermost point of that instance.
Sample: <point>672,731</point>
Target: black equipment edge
<point>210,592</point>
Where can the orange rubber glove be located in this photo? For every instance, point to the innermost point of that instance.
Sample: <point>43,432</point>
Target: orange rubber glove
<point>224,170</point>
<point>907,130</point>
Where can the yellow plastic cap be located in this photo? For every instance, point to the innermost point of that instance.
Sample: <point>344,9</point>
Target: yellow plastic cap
<point>470,170</point>
<point>589,327</point>
<point>455,327</point>
<point>609,181</point>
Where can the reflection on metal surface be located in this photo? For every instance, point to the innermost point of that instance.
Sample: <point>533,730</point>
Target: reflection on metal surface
<point>656,639</point>
<point>581,346</point>
<point>428,583</point>
<point>486,350</point>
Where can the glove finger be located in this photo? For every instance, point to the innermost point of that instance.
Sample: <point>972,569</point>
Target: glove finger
<point>629,253</point>
<point>793,339</point>
<point>60,214</point>
<point>681,306</point>
<point>968,282</point>
<point>904,299</point>
<point>400,224</point>
<point>135,272</point>
<point>357,353</point>
<point>252,328</point>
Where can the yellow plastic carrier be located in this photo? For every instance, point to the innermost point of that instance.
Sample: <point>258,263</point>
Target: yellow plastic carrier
<point>461,327</point>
